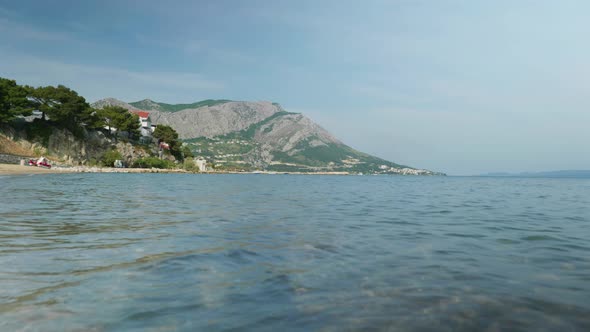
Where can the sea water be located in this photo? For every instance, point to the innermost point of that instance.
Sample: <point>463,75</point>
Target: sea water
<point>169,252</point>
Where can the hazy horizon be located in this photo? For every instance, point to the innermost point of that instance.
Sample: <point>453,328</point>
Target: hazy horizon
<point>460,87</point>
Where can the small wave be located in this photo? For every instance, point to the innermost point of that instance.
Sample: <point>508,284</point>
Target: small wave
<point>507,241</point>
<point>476,236</point>
<point>539,238</point>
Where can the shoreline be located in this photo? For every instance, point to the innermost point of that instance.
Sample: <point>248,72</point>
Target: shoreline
<point>12,169</point>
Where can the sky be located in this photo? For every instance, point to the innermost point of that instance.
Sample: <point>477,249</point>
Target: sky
<point>463,87</point>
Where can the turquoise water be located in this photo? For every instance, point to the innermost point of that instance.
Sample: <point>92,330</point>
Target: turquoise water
<point>168,252</point>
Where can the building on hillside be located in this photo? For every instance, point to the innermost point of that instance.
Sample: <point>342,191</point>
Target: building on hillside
<point>201,164</point>
<point>146,128</point>
<point>145,121</point>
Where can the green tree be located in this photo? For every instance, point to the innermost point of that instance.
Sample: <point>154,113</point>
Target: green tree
<point>120,119</point>
<point>13,100</point>
<point>186,152</point>
<point>44,100</point>
<point>95,121</point>
<point>169,135</point>
<point>63,106</point>
<point>166,134</point>
<point>128,122</point>
<point>106,115</point>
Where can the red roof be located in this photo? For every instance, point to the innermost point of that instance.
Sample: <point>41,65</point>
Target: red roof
<point>142,114</point>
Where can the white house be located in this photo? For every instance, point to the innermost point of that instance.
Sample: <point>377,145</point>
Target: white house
<point>145,121</point>
<point>201,163</point>
<point>146,128</point>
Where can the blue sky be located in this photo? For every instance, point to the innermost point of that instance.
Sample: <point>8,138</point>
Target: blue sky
<point>463,87</point>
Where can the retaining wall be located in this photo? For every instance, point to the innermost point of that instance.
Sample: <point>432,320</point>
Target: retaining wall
<point>11,159</point>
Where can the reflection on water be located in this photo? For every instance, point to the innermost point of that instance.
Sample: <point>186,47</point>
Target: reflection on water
<point>191,252</point>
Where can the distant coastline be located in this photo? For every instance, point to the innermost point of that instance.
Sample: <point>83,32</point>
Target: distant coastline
<point>577,174</point>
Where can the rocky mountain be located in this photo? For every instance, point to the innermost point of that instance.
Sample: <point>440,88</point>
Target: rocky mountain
<point>246,135</point>
<point>111,102</point>
<point>148,104</point>
<point>214,120</point>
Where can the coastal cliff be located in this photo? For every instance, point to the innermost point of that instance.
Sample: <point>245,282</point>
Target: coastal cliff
<point>63,147</point>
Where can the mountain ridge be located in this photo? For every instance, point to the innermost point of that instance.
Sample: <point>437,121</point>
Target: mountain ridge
<point>246,135</point>
<point>148,104</point>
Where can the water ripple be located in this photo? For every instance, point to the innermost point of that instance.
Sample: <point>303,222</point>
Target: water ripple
<point>221,253</point>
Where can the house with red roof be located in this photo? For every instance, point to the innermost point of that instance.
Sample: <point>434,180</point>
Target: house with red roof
<point>146,124</point>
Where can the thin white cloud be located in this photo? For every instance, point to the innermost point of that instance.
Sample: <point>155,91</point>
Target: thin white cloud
<point>196,47</point>
<point>95,82</point>
<point>10,29</point>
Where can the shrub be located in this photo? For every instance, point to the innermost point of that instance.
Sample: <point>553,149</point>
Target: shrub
<point>108,159</point>
<point>38,151</point>
<point>190,165</point>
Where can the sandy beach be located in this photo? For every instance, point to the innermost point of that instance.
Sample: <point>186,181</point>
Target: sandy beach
<point>9,169</point>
